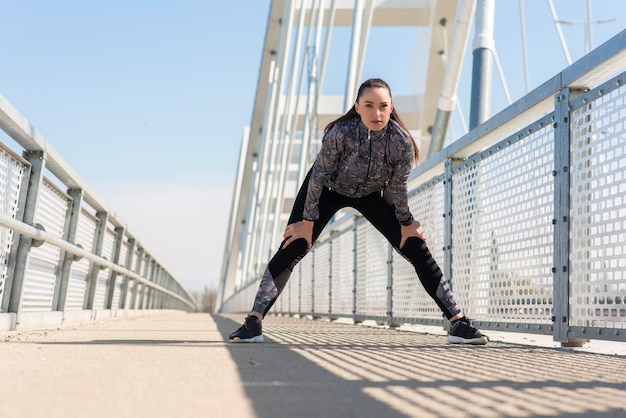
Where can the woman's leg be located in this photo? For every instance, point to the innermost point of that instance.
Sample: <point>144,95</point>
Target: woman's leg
<point>382,216</point>
<point>281,265</point>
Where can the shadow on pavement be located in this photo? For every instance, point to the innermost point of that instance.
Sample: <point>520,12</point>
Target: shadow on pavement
<point>280,382</point>
<point>320,369</point>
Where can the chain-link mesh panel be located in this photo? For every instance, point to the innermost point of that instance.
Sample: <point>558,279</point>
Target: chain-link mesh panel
<point>371,270</point>
<point>43,263</point>
<point>321,300</point>
<point>410,300</point>
<point>11,174</point>
<point>502,231</point>
<point>343,273</point>
<point>598,213</point>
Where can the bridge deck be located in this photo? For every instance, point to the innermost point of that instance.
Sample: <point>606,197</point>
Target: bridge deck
<point>180,365</point>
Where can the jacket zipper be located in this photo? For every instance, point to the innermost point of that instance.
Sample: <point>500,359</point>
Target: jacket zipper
<point>369,163</point>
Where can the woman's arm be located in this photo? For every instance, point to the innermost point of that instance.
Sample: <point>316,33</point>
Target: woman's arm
<point>397,185</point>
<point>322,167</point>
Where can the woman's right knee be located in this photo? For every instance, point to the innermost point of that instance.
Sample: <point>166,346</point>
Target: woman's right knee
<point>297,249</point>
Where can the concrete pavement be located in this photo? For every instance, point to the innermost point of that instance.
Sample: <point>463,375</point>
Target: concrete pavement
<point>180,365</point>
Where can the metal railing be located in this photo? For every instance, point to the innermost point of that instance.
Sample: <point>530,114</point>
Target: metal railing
<point>525,214</point>
<point>65,255</point>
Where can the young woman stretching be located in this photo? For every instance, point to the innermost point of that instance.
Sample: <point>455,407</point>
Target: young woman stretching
<point>364,163</point>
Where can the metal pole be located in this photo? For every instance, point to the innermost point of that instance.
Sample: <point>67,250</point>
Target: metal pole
<point>285,133</point>
<point>524,53</point>
<point>557,24</point>
<point>63,277</point>
<point>447,98</point>
<point>117,250</point>
<point>129,265</point>
<point>357,19</point>
<point>480,102</point>
<point>262,197</point>
<point>561,175</point>
<point>589,45</point>
<point>92,278</point>
<point>37,160</point>
<point>390,285</point>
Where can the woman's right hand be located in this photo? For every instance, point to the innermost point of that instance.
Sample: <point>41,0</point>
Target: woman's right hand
<point>412,230</point>
<point>302,229</point>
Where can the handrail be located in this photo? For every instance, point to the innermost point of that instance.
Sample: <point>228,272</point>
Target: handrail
<point>24,134</point>
<point>42,236</point>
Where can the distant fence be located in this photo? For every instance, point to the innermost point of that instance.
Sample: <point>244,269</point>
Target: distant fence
<point>526,215</point>
<point>64,255</point>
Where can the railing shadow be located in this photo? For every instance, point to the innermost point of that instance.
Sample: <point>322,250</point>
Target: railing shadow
<point>315,368</point>
<point>280,382</point>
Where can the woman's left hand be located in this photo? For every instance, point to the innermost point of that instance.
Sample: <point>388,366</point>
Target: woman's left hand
<point>413,230</point>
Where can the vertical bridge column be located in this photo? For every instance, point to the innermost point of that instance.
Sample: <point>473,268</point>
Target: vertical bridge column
<point>15,285</point>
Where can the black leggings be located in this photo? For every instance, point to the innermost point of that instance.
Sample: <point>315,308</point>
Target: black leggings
<point>382,216</point>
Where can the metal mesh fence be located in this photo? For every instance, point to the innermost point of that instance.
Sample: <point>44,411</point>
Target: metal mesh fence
<point>409,298</point>
<point>321,287</point>
<point>77,286</point>
<point>502,230</point>
<point>11,175</point>
<point>492,227</point>
<point>342,295</point>
<point>598,211</point>
<point>43,262</point>
<point>371,271</point>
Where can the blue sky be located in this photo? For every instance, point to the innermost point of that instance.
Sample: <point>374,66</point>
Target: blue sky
<point>148,99</point>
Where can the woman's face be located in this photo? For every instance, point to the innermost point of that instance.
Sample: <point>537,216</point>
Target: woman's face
<point>374,106</point>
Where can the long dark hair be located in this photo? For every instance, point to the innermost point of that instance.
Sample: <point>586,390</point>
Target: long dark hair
<point>352,113</point>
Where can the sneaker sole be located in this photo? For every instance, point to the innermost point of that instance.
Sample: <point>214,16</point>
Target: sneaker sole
<point>473,341</point>
<point>257,339</point>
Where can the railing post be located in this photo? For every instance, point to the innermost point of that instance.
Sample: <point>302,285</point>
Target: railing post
<point>117,249</point>
<point>159,279</point>
<point>62,282</point>
<point>389,285</point>
<point>146,270</point>
<point>330,276</point>
<point>299,311</point>
<point>129,265</point>
<point>354,268</point>
<point>15,285</point>
<point>92,279</point>
<point>312,295</point>
<point>151,279</point>
<point>447,225</point>
<point>561,221</point>
<point>447,221</point>
<point>135,289</point>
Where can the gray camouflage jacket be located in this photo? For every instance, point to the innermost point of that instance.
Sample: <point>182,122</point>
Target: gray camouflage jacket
<point>355,162</point>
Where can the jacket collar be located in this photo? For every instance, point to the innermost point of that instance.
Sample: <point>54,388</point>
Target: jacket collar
<point>374,135</point>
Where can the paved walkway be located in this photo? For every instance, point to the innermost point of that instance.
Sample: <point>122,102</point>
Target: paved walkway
<point>179,365</point>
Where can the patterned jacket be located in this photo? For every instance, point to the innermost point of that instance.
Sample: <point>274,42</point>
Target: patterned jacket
<point>355,161</point>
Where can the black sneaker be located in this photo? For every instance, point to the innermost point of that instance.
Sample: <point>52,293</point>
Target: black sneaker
<point>462,332</point>
<point>250,332</point>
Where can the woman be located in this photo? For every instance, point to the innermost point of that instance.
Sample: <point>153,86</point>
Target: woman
<point>364,163</point>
